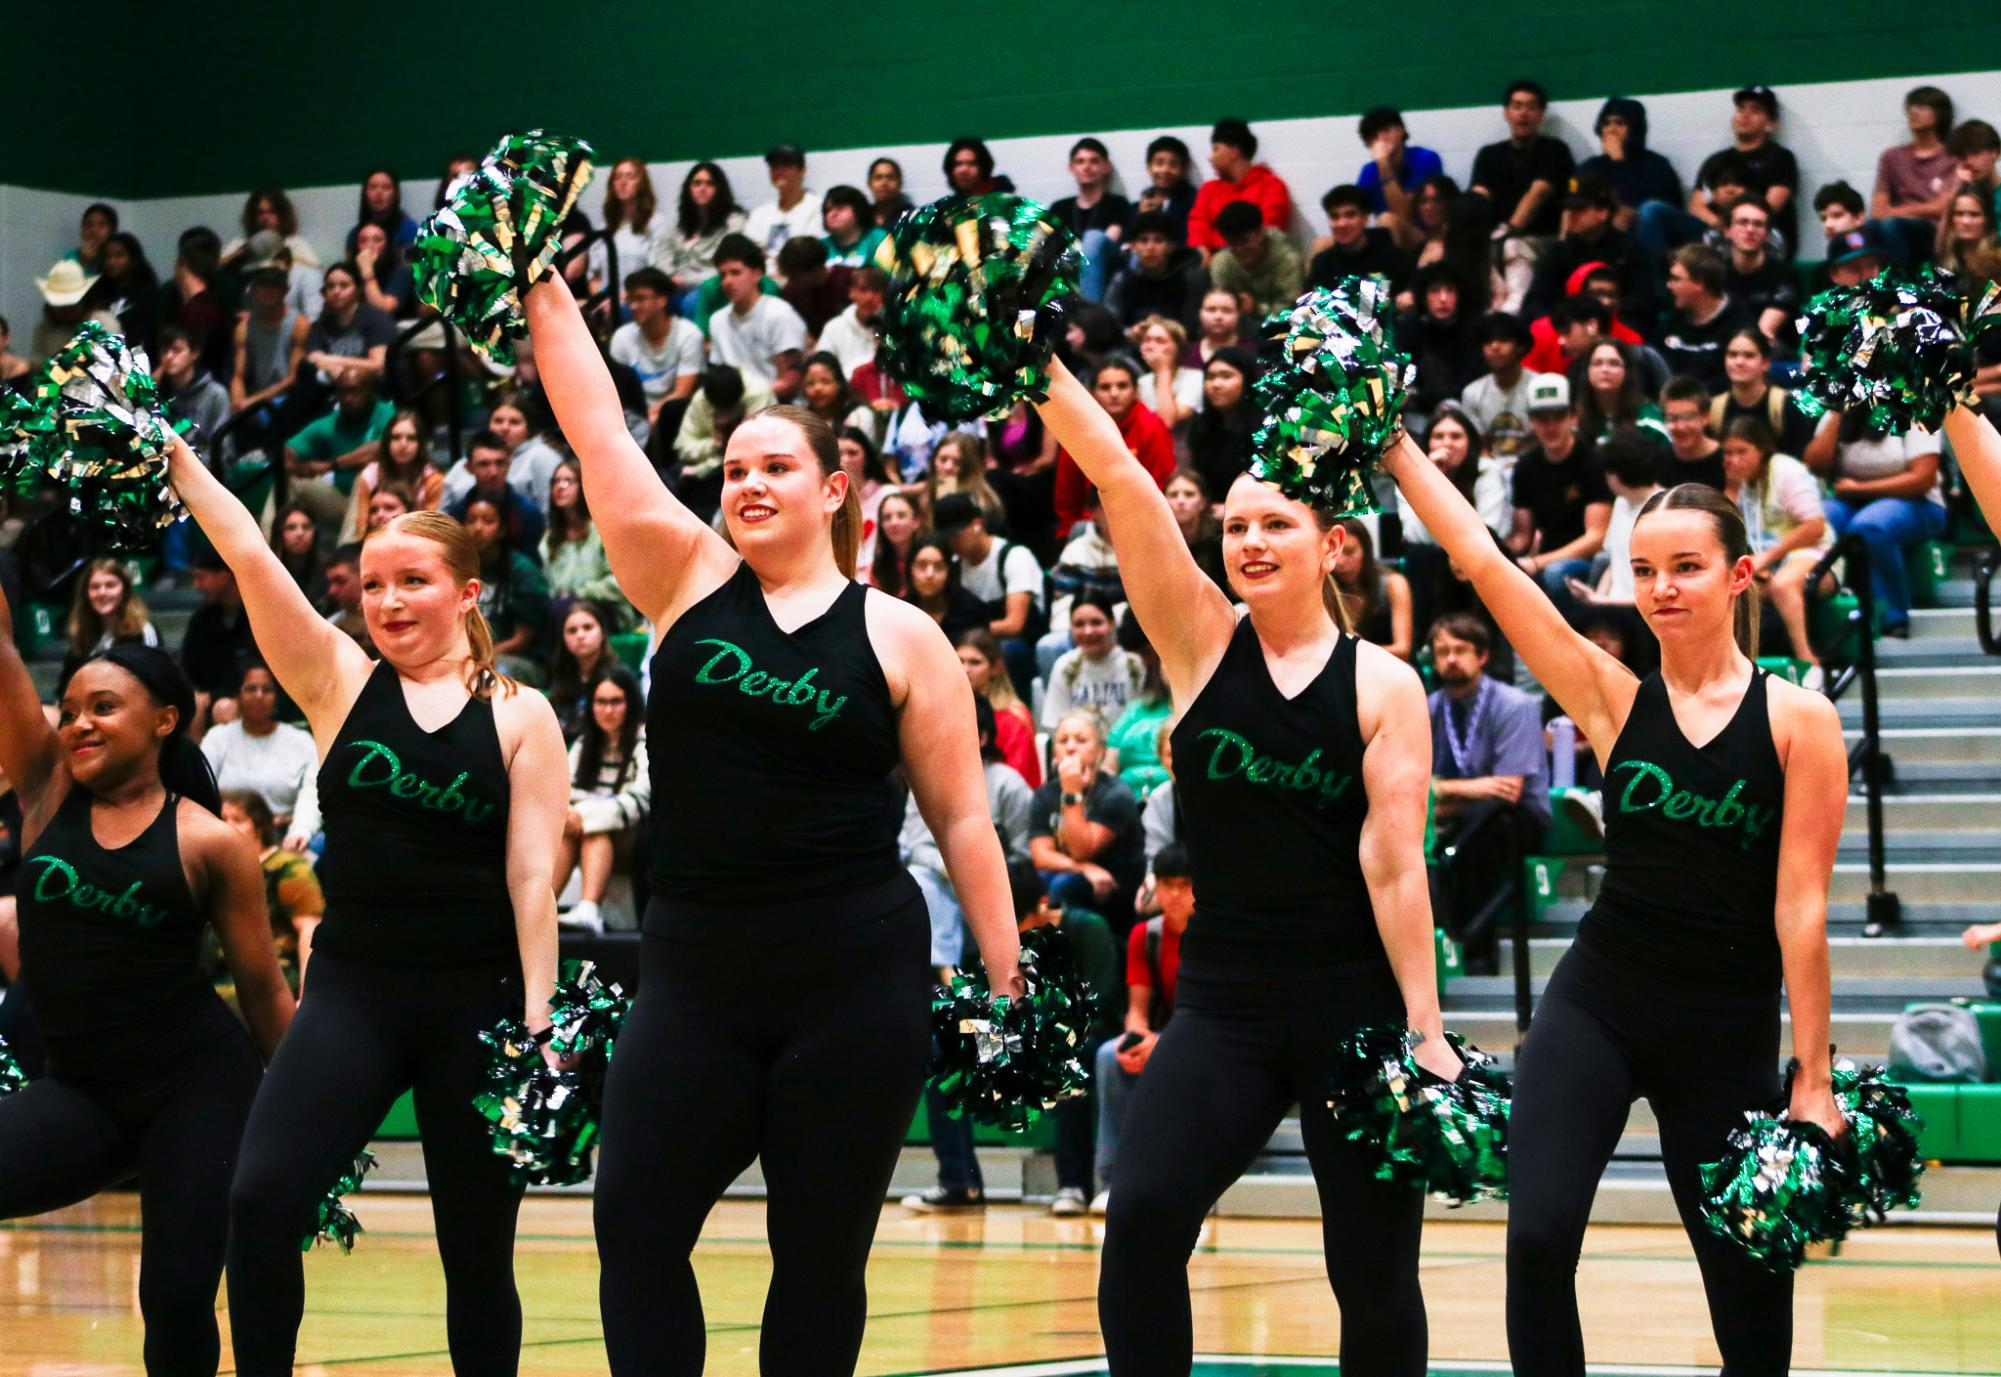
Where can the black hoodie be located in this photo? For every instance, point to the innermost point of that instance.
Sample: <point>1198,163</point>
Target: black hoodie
<point>1135,294</point>
<point>1642,175</point>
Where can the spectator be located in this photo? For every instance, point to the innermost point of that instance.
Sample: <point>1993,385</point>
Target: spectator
<point>1916,180</point>
<point>1693,455</point>
<point>1967,247</point>
<point>1423,230</point>
<point>1785,520</point>
<point>1607,383</point>
<point>105,611</point>
<point>273,759</point>
<point>97,224</point>
<point>637,231</point>
<point>1260,265</point>
<point>1130,745</point>
<point>1354,249</point>
<point>582,657</point>
<point>1095,675</point>
<point>969,169</point>
<point>959,465</point>
<point>707,211</point>
<point>1169,386</point>
<point>1754,163</point>
<point>270,342</point>
<point>1168,190</point>
<point>457,167</point>
<point>386,281</point>
<point>824,390</point>
<point>897,528</point>
<point>185,386</point>
<point>852,235</point>
<point>1523,175</point>
<point>1559,493</point>
<point>269,210</point>
<point>935,589</point>
<point>382,204</point>
<point>1164,276</point>
<point>713,415</point>
<point>1153,962</point>
<point>404,461</point>
<point>128,288</point>
<point>489,465</point>
<point>65,305</point>
<point>1636,173</point>
<point>351,338</point>
<point>1747,359</point>
<point>1590,237</point>
<point>1396,166</point>
<point>1221,327</point>
<point>513,593</point>
<point>1219,437</point>
<point>1856,256</point>
<point>1084,830</point>
<point>885,189</point>
<point>387,503</point>
<point>327,456</point>
<point>667,352</point>
<point>1703,317</point>
<point>1233,149</point>
<point>1490,778</point>
<point>532,460</point>
<point>573,552</point>
<point>1633,472</point>
<point>850,336</point>
<point>296,543</point>
<point>1188,497</point>
<point>1756,280</point>
<point>1886,488</point>
<point>1498,401</point>
<point>1977,147</point>
<point>610,792</point>
<point>760,336</point>
<point>1375,600</point>
<point>1464,238</point>
<point>12,365</point>
<point>1438,334</point>
<point>343,602</point>
<point>217,640</point>
<point>1014,730</point>
<point>872,477</point>
<point>1457,447</point>
<point>815,291</point>
<point>1096,215</point>
<point>292,894</point>
<point>1840,208</point>
<point>1116,387</point>
<point>796,211</point>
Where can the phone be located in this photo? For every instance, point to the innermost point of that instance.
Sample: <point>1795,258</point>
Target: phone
<point>1130,1041</point>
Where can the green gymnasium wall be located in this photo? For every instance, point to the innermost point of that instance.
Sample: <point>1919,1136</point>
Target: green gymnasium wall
<point>134,99</point>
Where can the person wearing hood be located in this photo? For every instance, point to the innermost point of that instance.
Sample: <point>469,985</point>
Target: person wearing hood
<point>1439,335</point>
<point>1165,276</point>
<point>1636,172</point>
<point>1558,339</point>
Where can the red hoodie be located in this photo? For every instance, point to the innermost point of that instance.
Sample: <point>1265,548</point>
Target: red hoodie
<point>1150,443</point>
<point>1261,186</point>
<point>1546,353</point>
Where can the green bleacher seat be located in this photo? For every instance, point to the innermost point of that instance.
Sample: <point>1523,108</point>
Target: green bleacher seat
<point>630,647</point>
<point>40,625</point>
<point>1925,569</point>
<point>1938,1106</point>
<point>1782,667</point>
<point>1566,836</point>
<point>1827,621</point>
<point>402,1121</point>
<point>1447,954</point>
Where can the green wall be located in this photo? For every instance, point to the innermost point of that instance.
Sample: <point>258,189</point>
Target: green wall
<point>309,94</point>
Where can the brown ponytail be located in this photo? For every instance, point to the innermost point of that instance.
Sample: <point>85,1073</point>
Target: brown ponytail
<point>826,447</point>
<point>1736,542</point>
<point>482,673</point>
<point>1330,591</point>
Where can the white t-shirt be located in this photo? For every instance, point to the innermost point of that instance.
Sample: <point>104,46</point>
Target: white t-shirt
<point>848,340</point>
<point>1490,498</point>
<point>769,227</point>
<point>1187,389</point>
<point>750,342</point>
<point>1103,686</point>
<point>1503,416</point>
<point>680,355</point>
<point>636,249</point>
<point>1886,457</point>
<point>1788,498</point>
<point>1005,570</point>
<point>1619,546</point>
<point>278,767</point>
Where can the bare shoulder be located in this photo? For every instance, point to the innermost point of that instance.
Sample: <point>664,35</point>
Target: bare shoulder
<point>206,838</point>
<point>905,639</point>
<point>521,714</point>
<point>1386,688</point>
<point>1800,714</point>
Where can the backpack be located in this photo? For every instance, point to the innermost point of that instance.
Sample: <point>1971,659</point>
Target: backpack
<point>1939,1043</point>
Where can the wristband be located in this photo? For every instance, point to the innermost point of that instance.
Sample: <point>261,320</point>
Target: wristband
<point>1070,799</point>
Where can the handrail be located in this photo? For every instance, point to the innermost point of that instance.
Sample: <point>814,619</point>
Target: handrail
<point>1985,565</point>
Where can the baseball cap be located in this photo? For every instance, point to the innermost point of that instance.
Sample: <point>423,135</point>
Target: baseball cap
<point>1548,392</point>
<point>1856,243</point>
<point>953,512</point>
<point>1589,189</point>
<point>1764,95</point>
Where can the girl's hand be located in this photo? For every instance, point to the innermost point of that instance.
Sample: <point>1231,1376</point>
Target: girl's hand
<point>1008,983</point>
<point>1435,1055</point>
<point>1813,1103</point>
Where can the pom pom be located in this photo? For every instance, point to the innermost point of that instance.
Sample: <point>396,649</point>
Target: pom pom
<point>1332,393</point>
<point>498,235</point>
<point>1006,1061</point>
<point>334,1222</point>
<point>973,311</point>
<point>92,424</point>
<point>1782,1184</point>
<point>1899,350</point>
<point>1449,1138</point>
<point>11,1078</point>
<point>545,1121</point>
<point>585,1014</point>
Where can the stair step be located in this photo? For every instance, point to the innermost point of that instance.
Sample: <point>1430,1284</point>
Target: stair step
<point>1915,959</point>
<point>1916,814</point>
<point>1953,713</point>
<point>1921,918</point>
<point>1934,745</point>
<point>1917,844</point>
<point>1490,1025</point>
<point>1962,881</point>
<point>1943,624</point>
<point>1901,683</point>
<point>1937,778</point>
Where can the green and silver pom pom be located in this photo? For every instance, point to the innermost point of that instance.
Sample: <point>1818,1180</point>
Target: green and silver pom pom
<point>545,1121</point>
<point>974,310</point>
<point>1783,1184</point>
<point>585,1014</point>
<point>1447,1138</point>
<point>333,1221</point>
<point>1006,1062</point>
<point>92,424</point>
<point>1332,394</point>
<point>498,235</point>
<point>1900,350</point>
<point>11,1077</point>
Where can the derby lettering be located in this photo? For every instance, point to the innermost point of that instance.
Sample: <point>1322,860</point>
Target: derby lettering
<point>1233,755</point>
<point>1652,787</point>
<point>732,665</point>
<point>379,768</point>
<point>59,880</point>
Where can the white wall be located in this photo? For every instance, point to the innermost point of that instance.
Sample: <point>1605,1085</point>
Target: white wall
<point>36,228</point>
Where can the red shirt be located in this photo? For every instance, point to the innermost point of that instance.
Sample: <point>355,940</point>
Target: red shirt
<point>1016,740</point>
<point>1149,442</point>
<point>1260,186</point>
<point>1547,354</point>
<point>1140,971</point>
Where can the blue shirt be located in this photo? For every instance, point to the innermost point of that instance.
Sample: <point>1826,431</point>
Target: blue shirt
<point>1418,163</point>
<point>1499,732</point>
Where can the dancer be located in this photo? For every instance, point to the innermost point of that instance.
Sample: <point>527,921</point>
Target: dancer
<point>126,860</point>
<point>442,795</point>
<point>1305,757</point>
<point>1976,448</point>
<point>782,1010</point>
<point>1717,864</point>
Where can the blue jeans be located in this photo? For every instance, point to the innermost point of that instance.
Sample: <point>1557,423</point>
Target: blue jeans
<point>1100,255</point>
<point>951,1143</point>
<point>1114,1086</point>
<point>948,943</point>
<point>1049,649</point>
<point>1069,889</point>
<point>1888,527</point>
<point>1554,576</point>
<point>1662,227</point>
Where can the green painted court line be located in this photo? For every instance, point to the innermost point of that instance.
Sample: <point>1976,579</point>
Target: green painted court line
<point>1214,1365</point>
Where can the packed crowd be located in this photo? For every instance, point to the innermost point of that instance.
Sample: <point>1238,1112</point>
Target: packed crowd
<point>1585,333</point>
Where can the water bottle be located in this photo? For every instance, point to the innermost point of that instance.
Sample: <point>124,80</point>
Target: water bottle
<point>1562,753</point>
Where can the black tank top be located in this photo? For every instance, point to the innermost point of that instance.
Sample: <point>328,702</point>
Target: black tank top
<point>415,867</point>
<point>1692,845</point>
<point>771,756</point>
<point>111,944</point>
<point>1271,799</point>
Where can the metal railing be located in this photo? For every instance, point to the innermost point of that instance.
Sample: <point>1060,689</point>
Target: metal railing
<point>1857,650</point>
<point>1985,566</point>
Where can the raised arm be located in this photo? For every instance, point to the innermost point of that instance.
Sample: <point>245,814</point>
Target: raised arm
<point>655,544</point>
<point>1596,691</point>
<point>1816,768</point>
<point>1977,448</point>
<point>319,666</point>
<point>29,753</point>
<point>1184,613</point>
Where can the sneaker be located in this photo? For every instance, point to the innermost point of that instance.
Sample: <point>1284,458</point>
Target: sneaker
<point>1813,679</point>
<point>583,918</point>
<point>940,1199</point>
<point>1898,631</point>
<point>1585,810</point>
<point>1100,1201</point>
<point>1069,1201</point>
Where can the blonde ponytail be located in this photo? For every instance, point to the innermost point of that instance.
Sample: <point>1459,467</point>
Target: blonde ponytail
<point>482,672</point>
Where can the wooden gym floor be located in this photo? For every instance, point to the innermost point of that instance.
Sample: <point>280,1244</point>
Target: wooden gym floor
<point>1014,1289</point>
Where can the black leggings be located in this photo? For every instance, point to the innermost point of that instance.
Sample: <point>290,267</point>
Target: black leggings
<point>1224,1073</point>
<point>60,1144</point>
<point>363,1035</point>
<point>1606,1032</point>
<point>807,1056</point>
